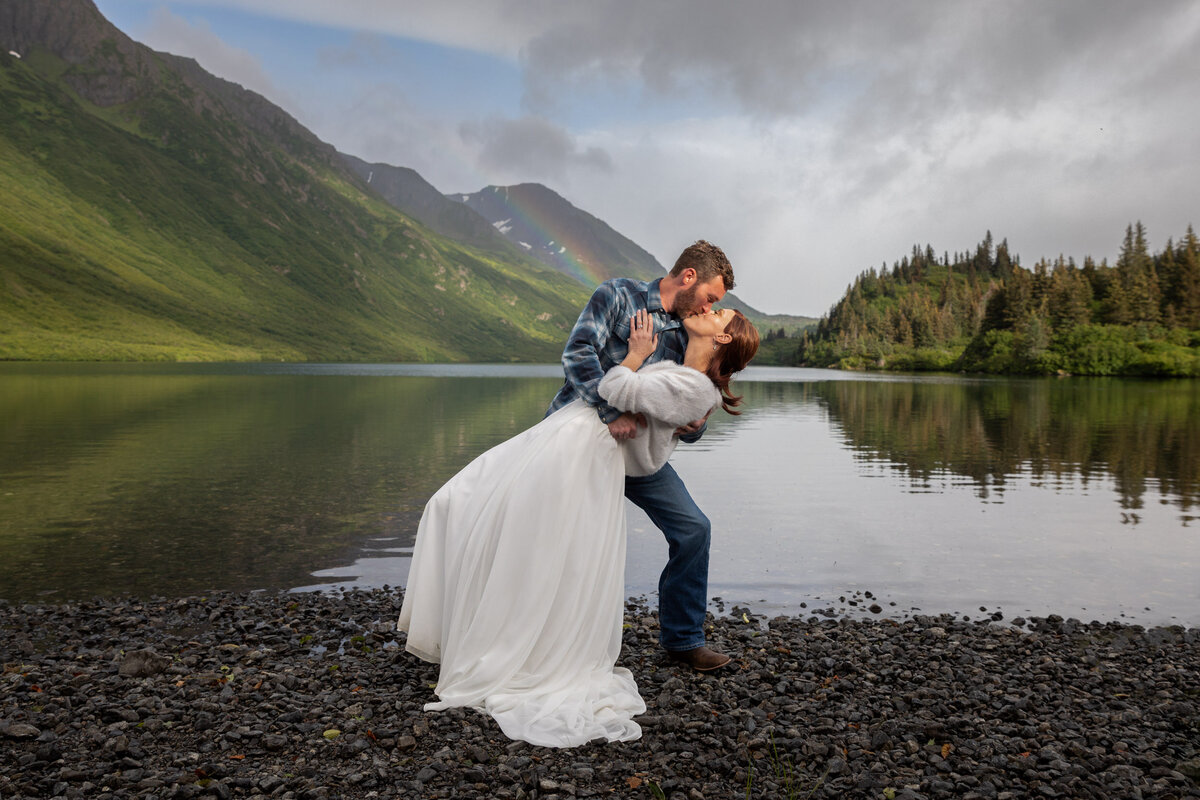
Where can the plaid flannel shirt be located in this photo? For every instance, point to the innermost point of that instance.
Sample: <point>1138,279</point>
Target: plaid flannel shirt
<point>599,342</point>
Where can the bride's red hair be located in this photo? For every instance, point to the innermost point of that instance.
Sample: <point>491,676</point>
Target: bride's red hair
<point>733,357</point>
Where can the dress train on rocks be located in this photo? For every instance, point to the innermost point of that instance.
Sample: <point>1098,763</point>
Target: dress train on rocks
<point>517,585</point>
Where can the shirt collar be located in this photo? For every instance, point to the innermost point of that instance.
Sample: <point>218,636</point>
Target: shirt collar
<point>654,305</point>
<point>654,297</point>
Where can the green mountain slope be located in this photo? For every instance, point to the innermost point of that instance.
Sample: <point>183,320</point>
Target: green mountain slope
<point>150,210</point>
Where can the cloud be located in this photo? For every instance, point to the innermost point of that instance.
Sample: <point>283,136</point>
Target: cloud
<point>381,123</point>
<point>363,49</point>
<point>775,58</point>
<point>812,140</point>
<point>872,127</point>
<point>781,57</point>
<point>499,28</point>
<point>530,147</point>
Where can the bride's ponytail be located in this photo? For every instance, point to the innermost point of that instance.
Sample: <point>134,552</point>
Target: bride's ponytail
<point>733,357</point>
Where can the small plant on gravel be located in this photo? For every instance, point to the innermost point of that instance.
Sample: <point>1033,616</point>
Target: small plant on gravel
<point>785,774</point>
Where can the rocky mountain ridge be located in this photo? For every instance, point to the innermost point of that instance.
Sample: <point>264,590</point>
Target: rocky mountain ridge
<point>410,193</point>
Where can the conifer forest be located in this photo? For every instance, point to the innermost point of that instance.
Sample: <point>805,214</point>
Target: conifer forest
<point>985,312</point>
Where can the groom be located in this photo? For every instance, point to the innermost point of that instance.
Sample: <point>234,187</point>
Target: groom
<point>701,276</point>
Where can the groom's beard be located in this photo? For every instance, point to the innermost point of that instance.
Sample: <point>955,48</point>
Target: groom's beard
<point>685,302</point>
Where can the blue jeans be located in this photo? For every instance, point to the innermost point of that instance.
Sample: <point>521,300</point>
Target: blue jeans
<point>683,585</point>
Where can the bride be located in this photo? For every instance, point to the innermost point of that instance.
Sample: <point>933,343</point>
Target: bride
<point>517,579</point>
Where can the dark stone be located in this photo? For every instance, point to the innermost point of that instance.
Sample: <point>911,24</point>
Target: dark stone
<point>19,730</point>
<point>143,664</point>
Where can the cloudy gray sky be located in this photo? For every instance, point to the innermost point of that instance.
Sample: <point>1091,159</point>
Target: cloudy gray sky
<point>811,140</point>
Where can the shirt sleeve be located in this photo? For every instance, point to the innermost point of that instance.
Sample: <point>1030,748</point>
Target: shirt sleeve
<point>581,357</point>
<point>692,438</point>
<point>675,396</point>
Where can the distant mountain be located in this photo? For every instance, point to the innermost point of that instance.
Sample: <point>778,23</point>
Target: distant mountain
<point>547,226</point>
<point>572,241</point>
<point>153,211</point>
<point>405,189</point>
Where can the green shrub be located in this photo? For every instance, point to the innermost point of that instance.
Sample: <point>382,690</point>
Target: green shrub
<point>924,359</point>
<point>1165,359</point>
<point>1095,349</point>
<point>991,351</point>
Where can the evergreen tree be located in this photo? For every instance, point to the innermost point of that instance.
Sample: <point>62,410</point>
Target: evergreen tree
<point>1004,265</point>
<point>1140,296</point>
<point>1070,298</point>
<point>1018,298</point>
<point>1167,269</point>
<point>902,332</point>
<point>1096,282</point>
<point>1032,337</point>
<point>995,311</point>
<point>1187,295</point>
<point>983,257</point>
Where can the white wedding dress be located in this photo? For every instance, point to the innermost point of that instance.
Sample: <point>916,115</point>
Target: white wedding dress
<point>517,579</point>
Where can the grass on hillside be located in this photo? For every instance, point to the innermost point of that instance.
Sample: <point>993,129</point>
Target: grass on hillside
<point>182,236</point>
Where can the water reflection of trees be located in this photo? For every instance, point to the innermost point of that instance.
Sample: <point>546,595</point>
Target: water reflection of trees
<point>1144,434</point>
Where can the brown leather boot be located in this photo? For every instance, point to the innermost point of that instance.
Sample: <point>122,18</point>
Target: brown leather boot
<point>701,659</point>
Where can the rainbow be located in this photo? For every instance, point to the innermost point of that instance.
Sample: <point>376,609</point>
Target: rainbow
<point>568,253</point>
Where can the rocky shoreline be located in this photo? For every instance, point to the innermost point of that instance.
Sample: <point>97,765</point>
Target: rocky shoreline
<point>310,695</point>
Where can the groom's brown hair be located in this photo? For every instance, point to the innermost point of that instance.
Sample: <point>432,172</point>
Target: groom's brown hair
<point>708,260</point>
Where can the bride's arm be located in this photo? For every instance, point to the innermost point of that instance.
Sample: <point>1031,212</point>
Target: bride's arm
<point>642,340</point>
<point>676,395</point>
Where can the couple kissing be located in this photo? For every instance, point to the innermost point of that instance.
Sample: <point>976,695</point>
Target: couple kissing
<point>517,580</point>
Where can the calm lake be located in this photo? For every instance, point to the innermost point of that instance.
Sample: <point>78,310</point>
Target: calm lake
<point>1075,496</point>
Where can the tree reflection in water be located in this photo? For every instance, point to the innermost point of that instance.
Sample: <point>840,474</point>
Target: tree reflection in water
<point>1145,435</point>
